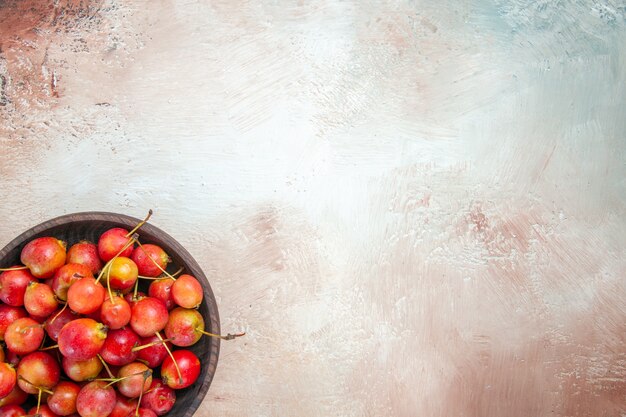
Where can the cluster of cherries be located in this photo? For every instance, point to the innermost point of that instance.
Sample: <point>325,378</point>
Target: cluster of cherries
<point>106,335</point>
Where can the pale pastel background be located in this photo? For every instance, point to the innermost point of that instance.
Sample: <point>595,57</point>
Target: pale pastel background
<point>414,208</point>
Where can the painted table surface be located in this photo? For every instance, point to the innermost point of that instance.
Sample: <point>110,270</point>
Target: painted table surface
<point>413,208</point>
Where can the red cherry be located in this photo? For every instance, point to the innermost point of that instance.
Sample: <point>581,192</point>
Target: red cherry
<point>39,300</point>
<point>8,314</point>
<point>12,411</point>
<point>184,326</point>
<point>13,286</point>
<point>189,365</point>
<point>66,276</point>
<point>146,412</point>
<point>96,399</point>
<point>132,299</point>
<point>147,268</point>
<point>85,253</point>
<point>8,379</point>
<point>15,397</point>
<point>57,320</point>
<point>44,411</point>
<point>112,241</point>
<point>118,347</point>
<point>81,370</point>
<point>115,313</point>
<point>155,354</point>
<point>148,316</point>
<point>85,295</point>
<point>187,291</point>
<point>137,379</point>
<point>123,406</point>
<point>63,399</point>
<point>24,336</point>
<point>82,339</point>
<point>43,256</point>
<point>162,289</point>
<point>122,273</point>
<point>37,370</point>
<point>159,398</point>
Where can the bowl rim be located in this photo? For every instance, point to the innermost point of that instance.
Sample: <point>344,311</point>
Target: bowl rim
<point>193,268</point>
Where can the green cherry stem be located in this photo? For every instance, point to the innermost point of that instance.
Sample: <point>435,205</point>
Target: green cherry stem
<point>15,268</point>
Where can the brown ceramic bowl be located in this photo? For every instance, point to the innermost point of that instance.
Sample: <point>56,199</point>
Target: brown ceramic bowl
<point>89,226</point>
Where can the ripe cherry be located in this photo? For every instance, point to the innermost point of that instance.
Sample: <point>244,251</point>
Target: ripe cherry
<point>57,320</point>
<point>8,379</point>
<point>189,365</point>
<point>96,399</point>
<point>134,379</point>
<point>85,295</point>
<point>162,289</point>
<point>85,253</point>
<point>115,312</point>
<point>149,316</point>
<point>187,291</point>
<point>159,398</point>
<point>82,370</point>
<point>118,347</point>
<point>42,411</point>
<point>62,401</point>
<point>184,326</point>
<point>124,406</point>
<point>152,351</point>
<point>37,370</point>
<point>43,256</point>
<point>118,241</point>
<point>12,411</point>
<point>150,259</point>
<point>13,286</point>
<point>15,397</point>
<point>24,336</point>
<point>39,300</point>
<point>66,276</point>
<point>145,412</point>
<point>121,273</point>
<point>8,314</point>
<point>82,339</point>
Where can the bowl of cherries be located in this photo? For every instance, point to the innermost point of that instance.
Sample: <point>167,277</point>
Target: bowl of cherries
<point>104,315</point>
